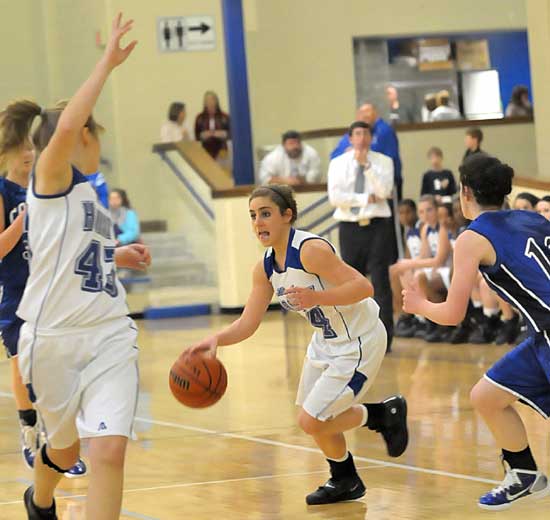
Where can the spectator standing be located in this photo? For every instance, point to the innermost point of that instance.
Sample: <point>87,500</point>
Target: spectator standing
<point>472,140</point>
<point>212,127</point>
<point>399,113</point>
<point>445,112</point>
<point>174,129</point>
<point>359,184</point>
<point>519,103</point>
<point>384,141</point>
<point>438,181</point>
<point>124,218</point>
<point>292,162</point>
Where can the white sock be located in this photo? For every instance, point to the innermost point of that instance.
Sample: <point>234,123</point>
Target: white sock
<point>490,312</point>
<point>421,319</point>
<point>343,459</point>
<point>477,304</point>
<point>365,415</point>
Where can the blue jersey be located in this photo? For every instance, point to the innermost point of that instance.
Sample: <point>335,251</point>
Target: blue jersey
<point>521,273</point>
<point>14,269</point>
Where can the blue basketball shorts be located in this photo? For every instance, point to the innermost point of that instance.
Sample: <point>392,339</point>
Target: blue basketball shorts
<point>10,330</point>
<point>525,372</point>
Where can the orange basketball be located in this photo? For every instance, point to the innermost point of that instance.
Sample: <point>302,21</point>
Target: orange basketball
<point>197,381</point>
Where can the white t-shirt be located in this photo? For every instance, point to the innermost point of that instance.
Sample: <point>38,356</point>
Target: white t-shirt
<point>171,132</point>
<point>278,164</point>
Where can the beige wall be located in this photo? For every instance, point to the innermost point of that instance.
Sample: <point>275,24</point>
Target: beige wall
<point>144,87</point>
<point>538,18</point>
<point>24,71</point>
<point>301,58</point>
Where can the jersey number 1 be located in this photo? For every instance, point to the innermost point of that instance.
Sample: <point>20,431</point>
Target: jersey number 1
<point>534,251</point>
<point>88,265</point>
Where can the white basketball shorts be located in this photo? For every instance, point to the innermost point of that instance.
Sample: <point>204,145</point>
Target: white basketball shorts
<point>84,381</point>
<point>444,272</point>
<point>335,377</point>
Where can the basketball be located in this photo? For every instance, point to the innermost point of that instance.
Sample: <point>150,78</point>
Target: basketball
<point>197,381</point>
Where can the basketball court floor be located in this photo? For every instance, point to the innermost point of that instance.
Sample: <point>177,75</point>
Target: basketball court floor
<point>245,458</point>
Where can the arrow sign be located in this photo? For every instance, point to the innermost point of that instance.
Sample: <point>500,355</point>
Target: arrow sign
<point>202,28</point>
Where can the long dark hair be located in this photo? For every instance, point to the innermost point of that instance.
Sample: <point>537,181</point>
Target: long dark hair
<point>123,196</point>
<point>489,179</point>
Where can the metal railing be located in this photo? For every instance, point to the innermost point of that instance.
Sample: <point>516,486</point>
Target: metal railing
<point>177,172</point>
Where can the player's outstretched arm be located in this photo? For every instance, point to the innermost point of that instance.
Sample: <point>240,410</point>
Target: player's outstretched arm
<point>248,322</point>
<point>471,250</point>
<point>349,286</point>
<point>9,236</point>
<point>53,169</point>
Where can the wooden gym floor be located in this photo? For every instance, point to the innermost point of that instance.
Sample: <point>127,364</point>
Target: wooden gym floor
<point>245,458</point>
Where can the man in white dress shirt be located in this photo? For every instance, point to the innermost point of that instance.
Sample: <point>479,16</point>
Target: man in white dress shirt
<point>360,182</point>
<point>292,162</point>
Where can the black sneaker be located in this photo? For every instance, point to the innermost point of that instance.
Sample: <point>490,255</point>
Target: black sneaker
<point>333,491</point>
<point>420,330</point>
<point>486,331</point>
<point>395,431</point>
<point>34,512</point>
<point>403,325</point>
<point>461,334</point>
<point>509,331</point>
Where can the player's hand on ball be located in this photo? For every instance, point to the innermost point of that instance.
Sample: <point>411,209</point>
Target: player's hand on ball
<point>413,299</point>
<point>207,347</point>
<point>301,298</point>
<point>115,55</point>
<point>133,256</point>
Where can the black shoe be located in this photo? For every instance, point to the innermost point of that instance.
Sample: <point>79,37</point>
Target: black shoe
<point>420,330</point>
<point>509,331</point>
<point>486,331</point>
<point>34,512</point>
<point>394,430</point>
<point>333,491</point>
<point>434,333</point>
<point>461,334</point>
<point>403,325</point>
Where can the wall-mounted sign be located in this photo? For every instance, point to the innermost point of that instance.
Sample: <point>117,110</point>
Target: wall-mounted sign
<point>186,33</point>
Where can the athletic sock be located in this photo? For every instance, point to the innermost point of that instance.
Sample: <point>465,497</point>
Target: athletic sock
<point>27,417</point>
<point>342,469</point>
<point>375,415</point>
<point>490,312</point>
<point>520,459</point>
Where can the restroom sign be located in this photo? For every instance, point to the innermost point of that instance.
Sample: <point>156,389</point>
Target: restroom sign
<point>186,33</point>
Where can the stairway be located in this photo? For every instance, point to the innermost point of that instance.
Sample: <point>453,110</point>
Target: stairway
<point>176,278</point>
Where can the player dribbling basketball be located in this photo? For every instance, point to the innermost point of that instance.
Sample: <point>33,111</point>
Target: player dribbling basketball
<point>347,347</point>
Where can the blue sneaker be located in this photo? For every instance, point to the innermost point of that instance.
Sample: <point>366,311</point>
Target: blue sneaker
<point>517,485</point>
<point>29,444</point>
<point>78,470</point>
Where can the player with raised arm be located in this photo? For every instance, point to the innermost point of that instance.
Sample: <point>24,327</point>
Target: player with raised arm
<point>77,347</point>
<point>346,349</point>
<point>511,249</point>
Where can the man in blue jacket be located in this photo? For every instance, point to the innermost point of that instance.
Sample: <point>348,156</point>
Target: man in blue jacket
<point>384,140</point>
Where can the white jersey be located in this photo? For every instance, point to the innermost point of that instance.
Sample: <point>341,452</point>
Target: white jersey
<point>333,324</point>
<point>72,281</point>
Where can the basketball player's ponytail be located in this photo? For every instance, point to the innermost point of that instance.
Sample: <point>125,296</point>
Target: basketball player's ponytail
<point>15,124</point>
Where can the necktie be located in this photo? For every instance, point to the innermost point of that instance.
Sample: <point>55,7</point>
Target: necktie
<point>359,186</point>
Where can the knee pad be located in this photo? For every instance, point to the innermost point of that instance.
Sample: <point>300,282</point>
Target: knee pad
<point>48,462</point>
